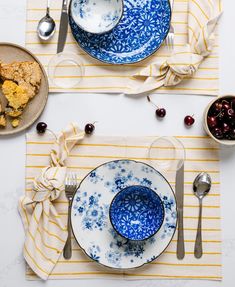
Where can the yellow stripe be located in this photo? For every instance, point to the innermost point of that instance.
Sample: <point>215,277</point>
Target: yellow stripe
<point>45,244</point>
<point>48,216</point>
<point>134,275</point>
<point>186,264</point>
<point>204,40</point>
<point>192,253</point>
<point>204,241</point>
<point>34,262</point>
<point>38,249</point>
<point>188,89</point>
<point>135,146</point>
<point>204,229</point>
<point>203,12</point>
<point>204,206</point>
<point>203,217</point>
<point>53,235</point>
<point>55,223</point>
<point>208,195</point>
<point>154,263</point>
<point>124,157</point>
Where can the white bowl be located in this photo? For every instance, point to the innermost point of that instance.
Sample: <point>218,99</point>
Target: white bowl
<point>222,141</point>
<point>96,16</point>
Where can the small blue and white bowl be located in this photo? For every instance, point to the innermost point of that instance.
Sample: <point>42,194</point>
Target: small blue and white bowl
<point>136,213</point>
<point>96,16</point>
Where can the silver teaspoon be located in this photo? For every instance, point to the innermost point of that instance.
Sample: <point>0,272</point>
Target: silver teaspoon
<point>201,187</point>
<point>46,26</point>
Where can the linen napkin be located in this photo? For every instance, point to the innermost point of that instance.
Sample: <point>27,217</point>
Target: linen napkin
<point>202,19</point>
<point>46,233</point>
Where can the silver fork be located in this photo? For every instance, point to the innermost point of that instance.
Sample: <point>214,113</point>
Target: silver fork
<point>70,189</point>
<point>171,33</point>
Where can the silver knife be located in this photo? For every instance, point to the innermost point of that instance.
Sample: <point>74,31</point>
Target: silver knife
<point>64,21</point>
<point>179,192</point>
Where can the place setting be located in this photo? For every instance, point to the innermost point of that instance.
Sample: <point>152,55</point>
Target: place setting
<point>115,206</point>
<point>111,207</point>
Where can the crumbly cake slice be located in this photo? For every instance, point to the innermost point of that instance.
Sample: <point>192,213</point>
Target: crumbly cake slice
<point>26,74</point>
<point>16,96</point>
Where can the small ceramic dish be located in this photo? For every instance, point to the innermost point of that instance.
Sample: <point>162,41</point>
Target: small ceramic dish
<point>97,16</point>
<point>136,212</point>
<point>221,122</point>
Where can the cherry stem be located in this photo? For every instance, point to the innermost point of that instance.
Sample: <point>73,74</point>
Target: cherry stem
<point>218,114</point>
<point>50,131</point>
<point>95,122</point>
<point>149,100</point>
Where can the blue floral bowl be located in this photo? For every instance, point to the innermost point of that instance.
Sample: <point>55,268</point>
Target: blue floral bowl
<point>136,212</point>
<point>96,16</point>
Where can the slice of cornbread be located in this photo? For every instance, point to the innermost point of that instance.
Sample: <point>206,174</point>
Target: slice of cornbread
<point>17,98</point>
<point>26,74</point>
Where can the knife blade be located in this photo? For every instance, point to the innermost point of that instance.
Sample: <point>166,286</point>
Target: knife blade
<point>64,21</point>
<point>179,193</point>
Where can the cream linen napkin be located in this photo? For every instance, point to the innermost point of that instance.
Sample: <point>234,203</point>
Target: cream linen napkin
<point>46,233</point>
<point>202,19</point>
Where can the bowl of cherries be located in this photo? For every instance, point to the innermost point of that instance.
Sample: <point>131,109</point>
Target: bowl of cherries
<point>220,120</point>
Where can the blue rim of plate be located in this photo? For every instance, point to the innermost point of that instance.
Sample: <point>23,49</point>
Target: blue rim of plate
<point>170,240</point>
<point>91,43</point>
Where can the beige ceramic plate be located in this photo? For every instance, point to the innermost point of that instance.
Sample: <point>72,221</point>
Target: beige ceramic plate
<point>9,53</point>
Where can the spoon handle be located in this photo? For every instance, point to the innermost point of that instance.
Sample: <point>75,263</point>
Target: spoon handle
<point>198,242</point>
<point>48,7</point>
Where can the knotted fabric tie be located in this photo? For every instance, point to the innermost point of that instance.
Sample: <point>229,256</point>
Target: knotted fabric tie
<point>46,233</point>
<point>202,19</point>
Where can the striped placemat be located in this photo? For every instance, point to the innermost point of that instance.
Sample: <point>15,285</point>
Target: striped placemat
<point>101,77</point>
<point>202,154</point>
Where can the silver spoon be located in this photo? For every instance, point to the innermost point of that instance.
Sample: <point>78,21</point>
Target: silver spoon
<point>46,26</point>
<point>201,187</point>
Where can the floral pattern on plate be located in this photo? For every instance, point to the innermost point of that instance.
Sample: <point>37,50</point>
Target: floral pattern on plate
<point>141,31</point>
<point>90,214</point>
<point>136,212</point>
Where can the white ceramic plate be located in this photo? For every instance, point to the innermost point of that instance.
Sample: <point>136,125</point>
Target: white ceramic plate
<point>90,214</point>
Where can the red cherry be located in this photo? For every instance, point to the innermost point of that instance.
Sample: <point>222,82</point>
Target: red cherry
<point>160,113</point>
<point>41,127</point>
<point>217,132</point>
<point>89,128</point>
<point>216,107</point>
<point>225,128</point>
<point>189,121</point>
<point>225,105</point>
<point>212,122</point>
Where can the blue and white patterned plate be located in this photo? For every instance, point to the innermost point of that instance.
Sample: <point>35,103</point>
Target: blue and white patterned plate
<point>140,32</point>
<point>90,214</point>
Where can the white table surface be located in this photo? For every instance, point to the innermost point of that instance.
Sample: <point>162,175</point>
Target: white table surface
<point>116,115</point>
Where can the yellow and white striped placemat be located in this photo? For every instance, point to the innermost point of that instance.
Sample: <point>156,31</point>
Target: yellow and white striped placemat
<point>101,77</point>
<point>202,154</point>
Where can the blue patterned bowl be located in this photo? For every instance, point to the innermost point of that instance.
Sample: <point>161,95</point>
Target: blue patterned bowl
<point>97,16</point>
<point>136,212</point>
